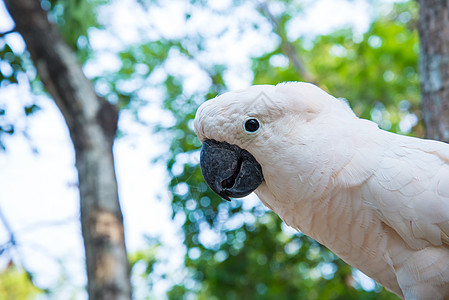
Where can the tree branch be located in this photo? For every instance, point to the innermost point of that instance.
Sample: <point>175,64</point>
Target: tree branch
<point>2,34</point>
<point>92,123</point>
<point>12,238</point>
<point>12,243</point>
<point>287,47</point>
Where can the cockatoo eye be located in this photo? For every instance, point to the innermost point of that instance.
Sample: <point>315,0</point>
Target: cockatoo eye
<point>252,125</point>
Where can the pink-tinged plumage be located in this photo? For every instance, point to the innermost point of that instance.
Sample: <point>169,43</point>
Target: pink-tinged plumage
<point>378,200</point>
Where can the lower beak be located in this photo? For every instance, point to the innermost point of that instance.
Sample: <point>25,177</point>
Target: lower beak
<point>229,170</point>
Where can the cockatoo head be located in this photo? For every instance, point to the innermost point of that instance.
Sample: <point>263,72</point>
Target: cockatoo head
<point>245,131</point>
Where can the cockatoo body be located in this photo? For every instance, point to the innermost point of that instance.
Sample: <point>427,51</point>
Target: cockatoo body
<point>378,200</point>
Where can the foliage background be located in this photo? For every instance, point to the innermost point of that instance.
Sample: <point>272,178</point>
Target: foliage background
<point>235,250</point>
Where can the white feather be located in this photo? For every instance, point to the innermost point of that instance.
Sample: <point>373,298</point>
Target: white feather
<point>378,200</point>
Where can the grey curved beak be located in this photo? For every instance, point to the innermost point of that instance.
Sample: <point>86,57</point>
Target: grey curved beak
<point>229,170</point>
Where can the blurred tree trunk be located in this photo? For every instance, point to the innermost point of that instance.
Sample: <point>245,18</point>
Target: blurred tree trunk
<point>92,122</point>
<point>434,67</point>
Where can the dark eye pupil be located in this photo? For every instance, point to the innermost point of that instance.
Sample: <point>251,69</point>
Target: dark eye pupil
<point>252,125</point>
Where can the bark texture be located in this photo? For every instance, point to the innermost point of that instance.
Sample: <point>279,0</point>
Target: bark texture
<point>92,122</point>
<point>434,67</point>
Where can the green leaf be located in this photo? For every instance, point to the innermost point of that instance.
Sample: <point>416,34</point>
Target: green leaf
<point>31,109</point>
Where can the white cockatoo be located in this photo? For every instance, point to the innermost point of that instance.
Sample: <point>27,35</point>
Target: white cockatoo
<point>378,200</point>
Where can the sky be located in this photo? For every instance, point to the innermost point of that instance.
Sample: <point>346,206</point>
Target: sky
<point>38,193</point>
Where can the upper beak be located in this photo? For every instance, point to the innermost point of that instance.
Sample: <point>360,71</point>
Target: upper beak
<point>229,170</point>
